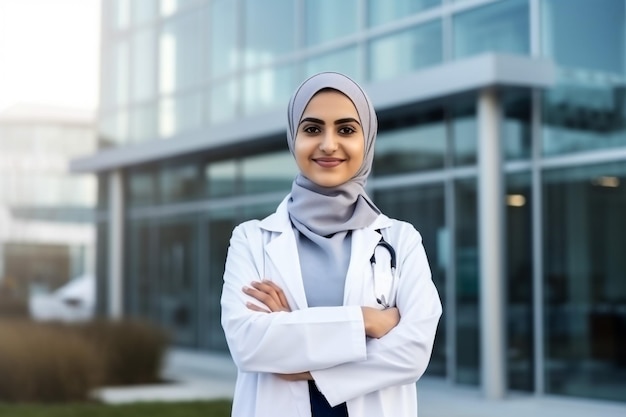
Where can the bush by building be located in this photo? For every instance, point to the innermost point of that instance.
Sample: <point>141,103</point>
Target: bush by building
<point>52,362</point>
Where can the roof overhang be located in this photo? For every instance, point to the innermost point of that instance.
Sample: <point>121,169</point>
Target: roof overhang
<point>443,81</point>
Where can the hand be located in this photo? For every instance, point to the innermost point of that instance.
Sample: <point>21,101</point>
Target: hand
<point>269,294</point>
<point>379,322</point>
<point>301,376</point>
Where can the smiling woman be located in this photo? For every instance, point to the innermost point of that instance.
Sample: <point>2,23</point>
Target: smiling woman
<point>300,310</point>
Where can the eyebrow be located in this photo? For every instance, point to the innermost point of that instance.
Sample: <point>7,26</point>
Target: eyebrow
<point>337,122</point>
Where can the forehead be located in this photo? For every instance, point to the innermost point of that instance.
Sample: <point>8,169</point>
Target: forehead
<point>330,102</point>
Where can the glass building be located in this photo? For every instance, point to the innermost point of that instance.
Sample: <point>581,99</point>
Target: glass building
<point>47,235</point>
<point>502,139</point>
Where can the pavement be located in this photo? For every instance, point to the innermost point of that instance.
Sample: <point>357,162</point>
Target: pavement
<point>194,375</point>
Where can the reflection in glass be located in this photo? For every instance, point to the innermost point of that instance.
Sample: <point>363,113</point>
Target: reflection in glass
<point>411,149</point>
<point>141,187</point>
<point>220,226</point>
<point>268,172</point>
<point>223,37</point>
<point>169,7</point>
<point>516,128</point>
<point>102,267</point>
<point>176,300</point>
<point>180,114</point>
<point>467,304</point>
<point>326,20</point>
<point>113,129</point>
<point>423,206</point>
<point>221,178</point>
<point>263,42</point>
<point>121,14</point>
<point>405,51</point>
<point>116,83</point>
<point>599,48</point>
<point>143,123</point>
<point>379,12</point>
<point>268,89</point>
<point>501,26</point>
<point>258,211</point>
<point>345,61</point>
<point>582,115</point>
<point>141,285</point>
<point>519,304</point>
<point>584,285</point>
<point>222,101</point>
<point>121,76</point>
<point>464,132</point>
<point>143,11</point>
<point>144,70</point>
<point>179,183</point>
<point>180,47</point>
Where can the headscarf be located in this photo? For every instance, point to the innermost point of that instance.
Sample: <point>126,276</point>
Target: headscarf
<point>328,210</point>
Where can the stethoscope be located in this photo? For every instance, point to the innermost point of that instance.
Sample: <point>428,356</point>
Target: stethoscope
<point>384,283</point>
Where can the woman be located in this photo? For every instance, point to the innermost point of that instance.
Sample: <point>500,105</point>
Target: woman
<point>315,324</point>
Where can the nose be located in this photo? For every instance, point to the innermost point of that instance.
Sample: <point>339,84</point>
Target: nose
<point>328,143</point>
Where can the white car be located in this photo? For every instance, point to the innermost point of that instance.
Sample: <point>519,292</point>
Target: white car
<point>73,302</point>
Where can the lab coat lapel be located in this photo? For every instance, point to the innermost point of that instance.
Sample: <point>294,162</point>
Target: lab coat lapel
<point>282,252</point>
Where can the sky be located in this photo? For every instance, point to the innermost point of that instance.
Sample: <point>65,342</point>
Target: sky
<point>49,53</point>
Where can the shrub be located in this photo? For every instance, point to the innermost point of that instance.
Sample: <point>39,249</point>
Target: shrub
<point>132,351</point>
<point>12,306</point>
<point>41,363</point>
<point>53,362</point>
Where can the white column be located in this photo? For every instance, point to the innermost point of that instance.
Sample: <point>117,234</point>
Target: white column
<point>116,244</point>
<point>491,245</point>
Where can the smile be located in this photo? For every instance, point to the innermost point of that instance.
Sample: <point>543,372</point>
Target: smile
<point>328,162</point>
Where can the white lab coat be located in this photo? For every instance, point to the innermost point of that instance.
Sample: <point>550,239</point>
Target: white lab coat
<point>375,377</point>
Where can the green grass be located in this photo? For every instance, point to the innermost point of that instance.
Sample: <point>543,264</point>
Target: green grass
<point>152,409</point>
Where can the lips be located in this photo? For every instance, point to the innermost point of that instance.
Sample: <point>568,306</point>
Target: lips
<point>328,162</point>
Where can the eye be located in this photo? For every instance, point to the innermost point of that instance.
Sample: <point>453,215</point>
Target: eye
<point>346,130</point>
<point>311,130</point>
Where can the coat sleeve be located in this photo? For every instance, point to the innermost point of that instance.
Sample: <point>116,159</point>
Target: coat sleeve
<point>282,342</point>
<point>401,356</point>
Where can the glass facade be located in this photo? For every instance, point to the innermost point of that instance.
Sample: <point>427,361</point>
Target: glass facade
<point>563,152</point>
<point>584,286</point>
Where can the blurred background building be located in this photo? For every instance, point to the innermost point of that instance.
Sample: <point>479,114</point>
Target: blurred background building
<point>47,234</point>
<point>502,139</point>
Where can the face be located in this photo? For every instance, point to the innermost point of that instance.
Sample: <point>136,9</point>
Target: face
<point>329,146</point>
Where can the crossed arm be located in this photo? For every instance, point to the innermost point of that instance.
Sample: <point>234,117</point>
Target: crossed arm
<point>377,323</point>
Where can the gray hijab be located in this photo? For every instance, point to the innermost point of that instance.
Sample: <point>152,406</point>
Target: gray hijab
<point>328,210</point>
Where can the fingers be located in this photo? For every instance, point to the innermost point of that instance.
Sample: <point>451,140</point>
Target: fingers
<point>255,307</point>
<point>268,293</point>
<point>276,291</point>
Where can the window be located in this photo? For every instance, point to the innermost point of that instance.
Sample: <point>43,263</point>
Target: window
<point>498,27</point>
<point>180,53</point>
<point>405,51</point>
<point>380,12</point>
<point>584,286</point>
<point>345,60</point>
<point>264,41</point>
<point>223,37</point>
<point>327,20</point>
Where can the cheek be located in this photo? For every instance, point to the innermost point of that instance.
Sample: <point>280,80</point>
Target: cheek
<point>299,152</point>
<point>358,155</point>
